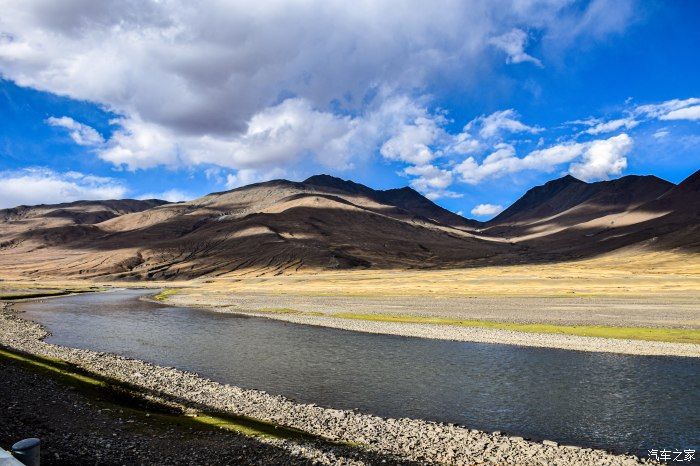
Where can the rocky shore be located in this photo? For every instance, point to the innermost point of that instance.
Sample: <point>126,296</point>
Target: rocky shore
<point>381,440</point>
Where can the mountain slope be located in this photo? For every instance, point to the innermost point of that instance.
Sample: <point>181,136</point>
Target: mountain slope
<point>571,198</point>
<point>79,212</point>
<point>274,226</point>
<point>406,198</point>
<point>568,218</point>
<point>324,222</point>
<point>56,223</point>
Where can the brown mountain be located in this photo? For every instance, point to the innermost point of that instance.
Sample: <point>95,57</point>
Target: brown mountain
<point>569,199</point>
<point>79,212</point>
<point>406,198</point>
<point>56,223</point>
<point>275,226</point>
<point>328,223</point>
<point>569,218</point>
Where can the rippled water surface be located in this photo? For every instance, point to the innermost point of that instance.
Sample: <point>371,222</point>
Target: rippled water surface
<point>619,402</point>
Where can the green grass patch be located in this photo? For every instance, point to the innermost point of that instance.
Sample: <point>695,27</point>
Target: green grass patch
<point>673,335</point>
<point>277,310</point>
<point>163,295</point>
<point>127,396</point>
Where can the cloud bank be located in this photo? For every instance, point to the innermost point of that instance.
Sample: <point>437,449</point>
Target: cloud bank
<point>32,186</point>
<point>248,85</point>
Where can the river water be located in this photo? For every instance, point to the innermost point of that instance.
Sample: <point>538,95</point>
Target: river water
<point>617,402</point>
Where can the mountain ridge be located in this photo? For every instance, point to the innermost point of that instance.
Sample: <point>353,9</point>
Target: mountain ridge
<point>324,222</point>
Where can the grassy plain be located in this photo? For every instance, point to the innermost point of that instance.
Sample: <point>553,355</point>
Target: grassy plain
<point>619,274</point>
<point>634,295</point>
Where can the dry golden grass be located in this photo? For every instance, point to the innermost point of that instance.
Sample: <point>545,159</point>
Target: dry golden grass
<point>632,274</point>
<point>613,275</point>
<point>669,281</point>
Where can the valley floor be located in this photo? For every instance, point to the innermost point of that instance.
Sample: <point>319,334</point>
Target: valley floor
<point>634,302</point>
<point>646,304</point>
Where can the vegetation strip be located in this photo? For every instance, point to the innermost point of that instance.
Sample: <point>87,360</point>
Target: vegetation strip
<point>43,294</point>
<point>163,295</point>
<point>126,395</point>
<point>671,335</point>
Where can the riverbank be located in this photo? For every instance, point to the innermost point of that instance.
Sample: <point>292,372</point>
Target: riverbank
<point>79,425</point>
<point>563,323</point>
<point>409,439</point>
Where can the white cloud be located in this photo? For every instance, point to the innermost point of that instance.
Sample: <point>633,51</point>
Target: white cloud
<point>599,159</point>
<point>661,134</point>
<point>248,176</point>
<point>81,134</point>
<point>590,121</point>
<point>463,143</point>
<point>513,44</point>
<point>603,158</point>
<point>171,195</point>
<point>484,210</point>
<point>612,125</point>
<point>42,186</point>
<point>501,122</point>
<point>250,85</point>
<point>432,181</point>
<point>687,113</point>
<point>663,109</point>
<point>412,142</point>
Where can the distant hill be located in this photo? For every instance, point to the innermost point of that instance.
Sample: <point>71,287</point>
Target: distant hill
<point>406,198</point>
<point>79,212</point>
<point>569,218</point>
<point>58,223</point>
<point>325,222</point>
<point>569,198</point>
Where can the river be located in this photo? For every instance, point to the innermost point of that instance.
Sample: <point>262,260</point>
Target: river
<point>617,402</point>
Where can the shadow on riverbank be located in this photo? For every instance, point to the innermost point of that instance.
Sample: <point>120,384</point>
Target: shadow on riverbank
<point>84,417</point>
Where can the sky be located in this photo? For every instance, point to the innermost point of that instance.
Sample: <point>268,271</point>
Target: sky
<point>470,102</point>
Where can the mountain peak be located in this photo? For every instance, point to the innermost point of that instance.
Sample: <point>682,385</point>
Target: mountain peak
<point>692,182</point>
<point>405,198</point>
<point>322,178</point>
<point>328,181</point>
<point>564,180</point>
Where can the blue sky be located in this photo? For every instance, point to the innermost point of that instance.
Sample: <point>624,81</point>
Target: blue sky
<point>469,102</point>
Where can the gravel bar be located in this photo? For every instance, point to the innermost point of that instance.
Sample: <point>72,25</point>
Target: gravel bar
<point>486,335</point>
<point>248,304</point>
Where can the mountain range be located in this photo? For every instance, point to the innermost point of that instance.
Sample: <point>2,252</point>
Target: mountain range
<point>325,222</point>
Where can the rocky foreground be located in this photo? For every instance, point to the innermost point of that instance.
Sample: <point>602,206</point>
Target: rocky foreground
<point>382,440</point>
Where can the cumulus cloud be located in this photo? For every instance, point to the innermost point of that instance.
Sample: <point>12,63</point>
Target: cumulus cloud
<point>598,160</point>
<point>412,141</point>
<point>612,125</point>
<point>432,181</point>
<point>513,44</point>
<point>664,109</point>
<point>81,134</point>
<point>603,158</point>
<point>504,121</point>
<point>248,85</point>
<point>487,210</point>
<point>43,186</point>
<point>687,113</point>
